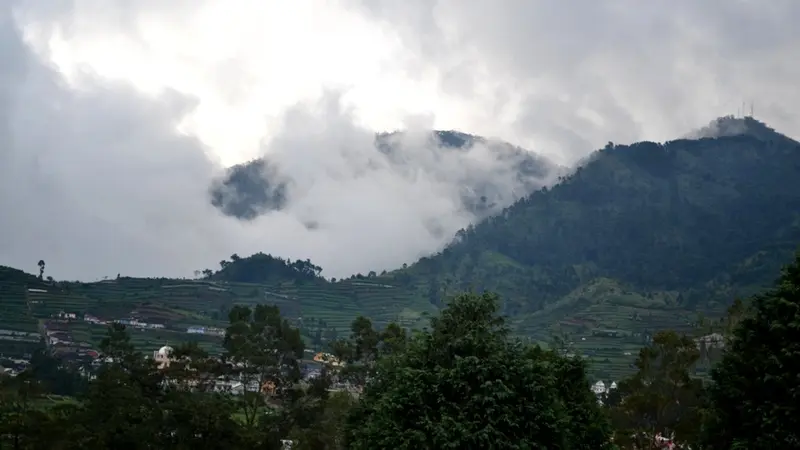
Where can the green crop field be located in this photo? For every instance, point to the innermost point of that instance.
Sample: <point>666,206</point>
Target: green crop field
<point>601,321</point>
<point>31,305</point>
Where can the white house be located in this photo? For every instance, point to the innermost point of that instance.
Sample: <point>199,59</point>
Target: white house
<point>163,356</point>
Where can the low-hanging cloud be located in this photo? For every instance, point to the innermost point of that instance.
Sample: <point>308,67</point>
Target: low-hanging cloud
<point>577,74</point>
<point>314,154</point>
<point>97,181</point>
<point>368,203</point>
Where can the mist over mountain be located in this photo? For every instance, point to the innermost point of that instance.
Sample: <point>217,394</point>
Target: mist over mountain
<point>736,126</point>
<point>708,218</point>
<point>486,175</point>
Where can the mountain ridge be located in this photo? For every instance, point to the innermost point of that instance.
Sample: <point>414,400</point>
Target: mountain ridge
<point>653,162</point>
<point>641,237</point>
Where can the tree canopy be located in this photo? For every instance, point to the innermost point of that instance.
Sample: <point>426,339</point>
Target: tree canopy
<point>465,383</point>
<point>756,390</point>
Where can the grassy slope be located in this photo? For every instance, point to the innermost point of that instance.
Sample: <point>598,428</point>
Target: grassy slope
<point>183,303</point>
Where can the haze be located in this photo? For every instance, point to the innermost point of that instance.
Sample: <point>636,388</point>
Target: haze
<point>116,115</point>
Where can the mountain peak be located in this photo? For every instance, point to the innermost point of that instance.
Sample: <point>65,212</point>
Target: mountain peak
<point>735,126</point>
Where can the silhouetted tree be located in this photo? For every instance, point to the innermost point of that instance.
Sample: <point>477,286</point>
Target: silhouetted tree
<point>41,268</point>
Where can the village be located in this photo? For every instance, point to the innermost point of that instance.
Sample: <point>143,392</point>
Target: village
<point>56,333</point>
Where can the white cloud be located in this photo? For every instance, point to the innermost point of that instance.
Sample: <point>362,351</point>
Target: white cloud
<point>95,179</point>
<point>583,72</point>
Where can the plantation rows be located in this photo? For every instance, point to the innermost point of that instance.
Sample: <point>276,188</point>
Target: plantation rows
<point>14,314</point>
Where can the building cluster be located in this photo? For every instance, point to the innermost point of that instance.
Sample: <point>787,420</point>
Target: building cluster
<point>135,323</point>
<point>600,389</point>
<point>164,357</point>
<point>713,340</point>
<point>327,358</point>
<point>237,385</point>
<point>19,336</point>
<point>211,331</point>
<point>61,343</point>
<point>11,367</point>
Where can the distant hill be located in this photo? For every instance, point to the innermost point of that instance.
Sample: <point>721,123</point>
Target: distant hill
<point>263,268</point>
<point>248,190</point>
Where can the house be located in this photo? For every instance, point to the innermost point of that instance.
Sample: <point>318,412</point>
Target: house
<point>92,319</point>
<point>327,358</point>
<point>163,356</point>
<point>599,388</point>
<point>713,340</point>
<point>66,316</point>
<point>607,333</point>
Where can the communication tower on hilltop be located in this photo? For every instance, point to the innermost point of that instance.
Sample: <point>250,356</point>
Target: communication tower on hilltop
<point>743,110</point>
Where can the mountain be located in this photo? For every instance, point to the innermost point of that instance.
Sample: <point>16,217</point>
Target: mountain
<point>249,190</point>
<point>685,225</point>
<point>639,238</point>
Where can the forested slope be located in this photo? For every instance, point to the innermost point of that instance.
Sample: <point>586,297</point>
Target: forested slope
<point>698,221</point>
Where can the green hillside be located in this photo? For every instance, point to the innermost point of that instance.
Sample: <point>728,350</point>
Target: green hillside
<point>640,238</point>
<point>167,308</point>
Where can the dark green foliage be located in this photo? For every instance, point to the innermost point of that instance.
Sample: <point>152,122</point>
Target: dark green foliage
<point>659,217</point>
<point>10,276</point>
<point>264,351</point>
<point>263,268</point>
<point>755,395</point>
<point>662,397</point>
<point>466,384</point>
<point>54,378</point>
<point>587,426</point>
<point>134,404</point>
<point>364,349</point>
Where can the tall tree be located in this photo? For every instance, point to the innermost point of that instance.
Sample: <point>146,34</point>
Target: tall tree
<point>587,426</point>
<point>361,351</point>
<point>263,352</point>
<point>41,268</point>
<point>465,383</point>
<point>19,416</point>
<point>755,399</point>
<point>196,415</point>
<point>661,397</point>
<point>121,409</point>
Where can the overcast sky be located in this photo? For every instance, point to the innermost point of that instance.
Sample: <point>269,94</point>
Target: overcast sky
<point>116,114</point>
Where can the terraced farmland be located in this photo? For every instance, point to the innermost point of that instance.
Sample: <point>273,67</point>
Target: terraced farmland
<point>30,304</point>
<point>19,330</point>
<point>602,320</point>
<point>608,324</point>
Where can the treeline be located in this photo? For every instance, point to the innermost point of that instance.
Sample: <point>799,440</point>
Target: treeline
<point>464,382</point>
<point>262,268</point>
